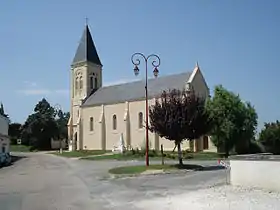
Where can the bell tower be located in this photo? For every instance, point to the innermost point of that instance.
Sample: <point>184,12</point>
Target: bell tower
<point>86,77</point>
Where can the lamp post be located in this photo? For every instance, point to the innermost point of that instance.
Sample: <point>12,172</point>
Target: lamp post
<point>135,58</point>
<point>57,109</point>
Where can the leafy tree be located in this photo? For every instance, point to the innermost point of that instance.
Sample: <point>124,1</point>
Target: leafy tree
<point>62,120</point>
<point>234,121</point>
<point>14,132</point>
<point>40,127</point>
<point>270,137</point>
<point>179,115</point>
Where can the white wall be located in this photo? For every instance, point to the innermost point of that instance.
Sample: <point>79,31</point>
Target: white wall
<point>4,138</point>
<point>55,144</point>
<point>256,173</point>
<point>4,125</point>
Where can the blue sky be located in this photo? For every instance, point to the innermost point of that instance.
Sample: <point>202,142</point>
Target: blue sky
<point>235,42</point>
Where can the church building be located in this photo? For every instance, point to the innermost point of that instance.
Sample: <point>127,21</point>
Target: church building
<point>99,114</point>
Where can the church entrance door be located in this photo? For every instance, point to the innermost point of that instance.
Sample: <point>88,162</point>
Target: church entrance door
<point>75,141</point>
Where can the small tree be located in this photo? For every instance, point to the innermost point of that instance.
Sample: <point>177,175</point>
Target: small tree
<point>270,137</point>
<point>179,115</point>
<point>40,126</point>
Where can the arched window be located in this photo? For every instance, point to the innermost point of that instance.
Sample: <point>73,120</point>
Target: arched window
<point>140,120</point>
<point>91,124</point>
<point>81,82</point>
<point>76,85</point>
<point>91,82</point>
<point>114,122</point>
<point>95,82</point>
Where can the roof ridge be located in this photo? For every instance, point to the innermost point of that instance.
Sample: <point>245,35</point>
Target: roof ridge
<point>132,91</point>
<point>149,79</point>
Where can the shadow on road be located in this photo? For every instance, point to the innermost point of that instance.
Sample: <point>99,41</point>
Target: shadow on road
<point>200,167</point>
<point>16,158</point>
<point>212,168</point>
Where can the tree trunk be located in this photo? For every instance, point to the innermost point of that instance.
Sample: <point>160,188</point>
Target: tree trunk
<point>180,154</point>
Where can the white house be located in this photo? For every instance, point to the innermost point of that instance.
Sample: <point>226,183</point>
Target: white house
<point>4,138</point>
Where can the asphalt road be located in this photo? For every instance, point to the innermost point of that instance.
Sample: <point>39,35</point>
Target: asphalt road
<point>48,182</point>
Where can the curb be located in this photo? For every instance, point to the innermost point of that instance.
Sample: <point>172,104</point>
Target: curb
<point>119,176</point>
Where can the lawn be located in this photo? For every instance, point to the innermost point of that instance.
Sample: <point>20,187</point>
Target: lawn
<point>80,153</point>
<point>157,156</point>
<point>119,157</point>
<point>142,168</point>
<point>19,148</point>
<point>195,155</point>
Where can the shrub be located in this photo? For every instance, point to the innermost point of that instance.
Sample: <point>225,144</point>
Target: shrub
<point>255,147</point>
<point>270,137</point>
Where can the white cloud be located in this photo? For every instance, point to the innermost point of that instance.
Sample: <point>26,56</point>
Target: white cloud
<point>30,84</point>
<point>29,92</point>
<point>32,88</point>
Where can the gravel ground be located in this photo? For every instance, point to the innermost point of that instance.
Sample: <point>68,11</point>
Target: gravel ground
<point>218,198</point>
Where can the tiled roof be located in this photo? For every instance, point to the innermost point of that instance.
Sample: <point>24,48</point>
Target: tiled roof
<point>136,90</point>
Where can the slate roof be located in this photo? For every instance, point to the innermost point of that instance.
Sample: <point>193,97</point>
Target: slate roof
<point>136,90</point>
<point>86,50</point>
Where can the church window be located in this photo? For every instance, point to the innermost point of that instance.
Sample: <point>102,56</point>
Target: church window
<point>81,83</point>
<point>95,82</point>
<point>140,120</point>
<point>91,124</point>
<point>76,84</point>
<point>91,82</point>
<point>114,122</point>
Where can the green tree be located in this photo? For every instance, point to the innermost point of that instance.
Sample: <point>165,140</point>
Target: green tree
<point>234,121</point>
<point>270,137</point>
<point>40,127</point>
<point>179,115</point>
<point>62,120</point>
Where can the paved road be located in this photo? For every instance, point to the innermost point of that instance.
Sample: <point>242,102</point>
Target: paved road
<point>47,182</point>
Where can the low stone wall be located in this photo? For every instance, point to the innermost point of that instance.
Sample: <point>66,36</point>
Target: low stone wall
<point>256,171</point>
<point>55,144</point>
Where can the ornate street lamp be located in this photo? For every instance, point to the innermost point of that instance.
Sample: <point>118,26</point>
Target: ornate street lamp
<point>155,63</point>
<point>57,109</point>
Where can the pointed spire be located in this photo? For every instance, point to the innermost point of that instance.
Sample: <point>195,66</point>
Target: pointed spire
<point>2,112</point>
<point>86,50</point>
<point>196,65</point>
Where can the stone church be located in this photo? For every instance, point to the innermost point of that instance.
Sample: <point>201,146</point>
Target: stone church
<point>99,114</point>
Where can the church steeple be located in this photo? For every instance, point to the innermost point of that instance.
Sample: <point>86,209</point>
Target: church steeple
<point>86,50</point>
<point>2,112</point>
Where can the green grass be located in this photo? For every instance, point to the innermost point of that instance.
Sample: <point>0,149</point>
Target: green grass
<point>19,148</point>
<point>116,157</point>
<point>129,170</point>
<point>80,153</point>
<point>194,155</point>
<point>206,156</point>
<point>157,156</point>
